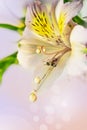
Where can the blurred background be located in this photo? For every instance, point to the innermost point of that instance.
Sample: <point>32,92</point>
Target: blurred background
<point>62,107</point>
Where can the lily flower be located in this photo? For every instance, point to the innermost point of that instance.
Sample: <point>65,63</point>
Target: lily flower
<point>51,42</point>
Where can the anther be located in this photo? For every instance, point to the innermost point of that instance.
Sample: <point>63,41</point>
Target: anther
<point>38,50</point>
<point>37,80</point>
<point>33,97</point>
<point>48,63</point>
<point>44,49</point>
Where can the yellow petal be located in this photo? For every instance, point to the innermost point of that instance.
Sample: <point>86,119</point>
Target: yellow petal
<point>68,11</point>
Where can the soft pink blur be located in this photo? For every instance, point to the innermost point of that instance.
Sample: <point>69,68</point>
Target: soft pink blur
<point>61,107</point>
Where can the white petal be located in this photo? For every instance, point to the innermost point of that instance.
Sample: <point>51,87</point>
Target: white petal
<point>58,8</point>
<point>83,12</point>
<point>27,56</point>
<point>76,66</point>
<point>77,63</point>
<point>11,14</point>
<point>67,12</point>
<point>78,35</point>
<point>27,47</point>
<point>28,61</point>
<point>30,37</point>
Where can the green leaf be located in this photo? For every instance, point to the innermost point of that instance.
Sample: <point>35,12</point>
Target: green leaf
<point>6,62</point>
<point>80,21</point>
<point>67,1</point>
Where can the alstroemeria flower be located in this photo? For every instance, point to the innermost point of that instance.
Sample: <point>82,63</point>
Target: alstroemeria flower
<point>49,42</point>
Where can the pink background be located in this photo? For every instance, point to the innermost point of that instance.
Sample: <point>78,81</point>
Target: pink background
<point>62,107</point>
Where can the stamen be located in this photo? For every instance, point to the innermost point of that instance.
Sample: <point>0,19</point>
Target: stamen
<point>47,73</point>
<point>52,64</point>
<point>42,25</point>
<point>37,80</point>
<point>43,49</point>
<point>43,78</point>
<point>38,50</point>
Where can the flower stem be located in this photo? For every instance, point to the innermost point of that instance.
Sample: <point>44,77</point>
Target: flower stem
<point>6,62</point>
<point>12,27</point>
<point>67,1</point>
